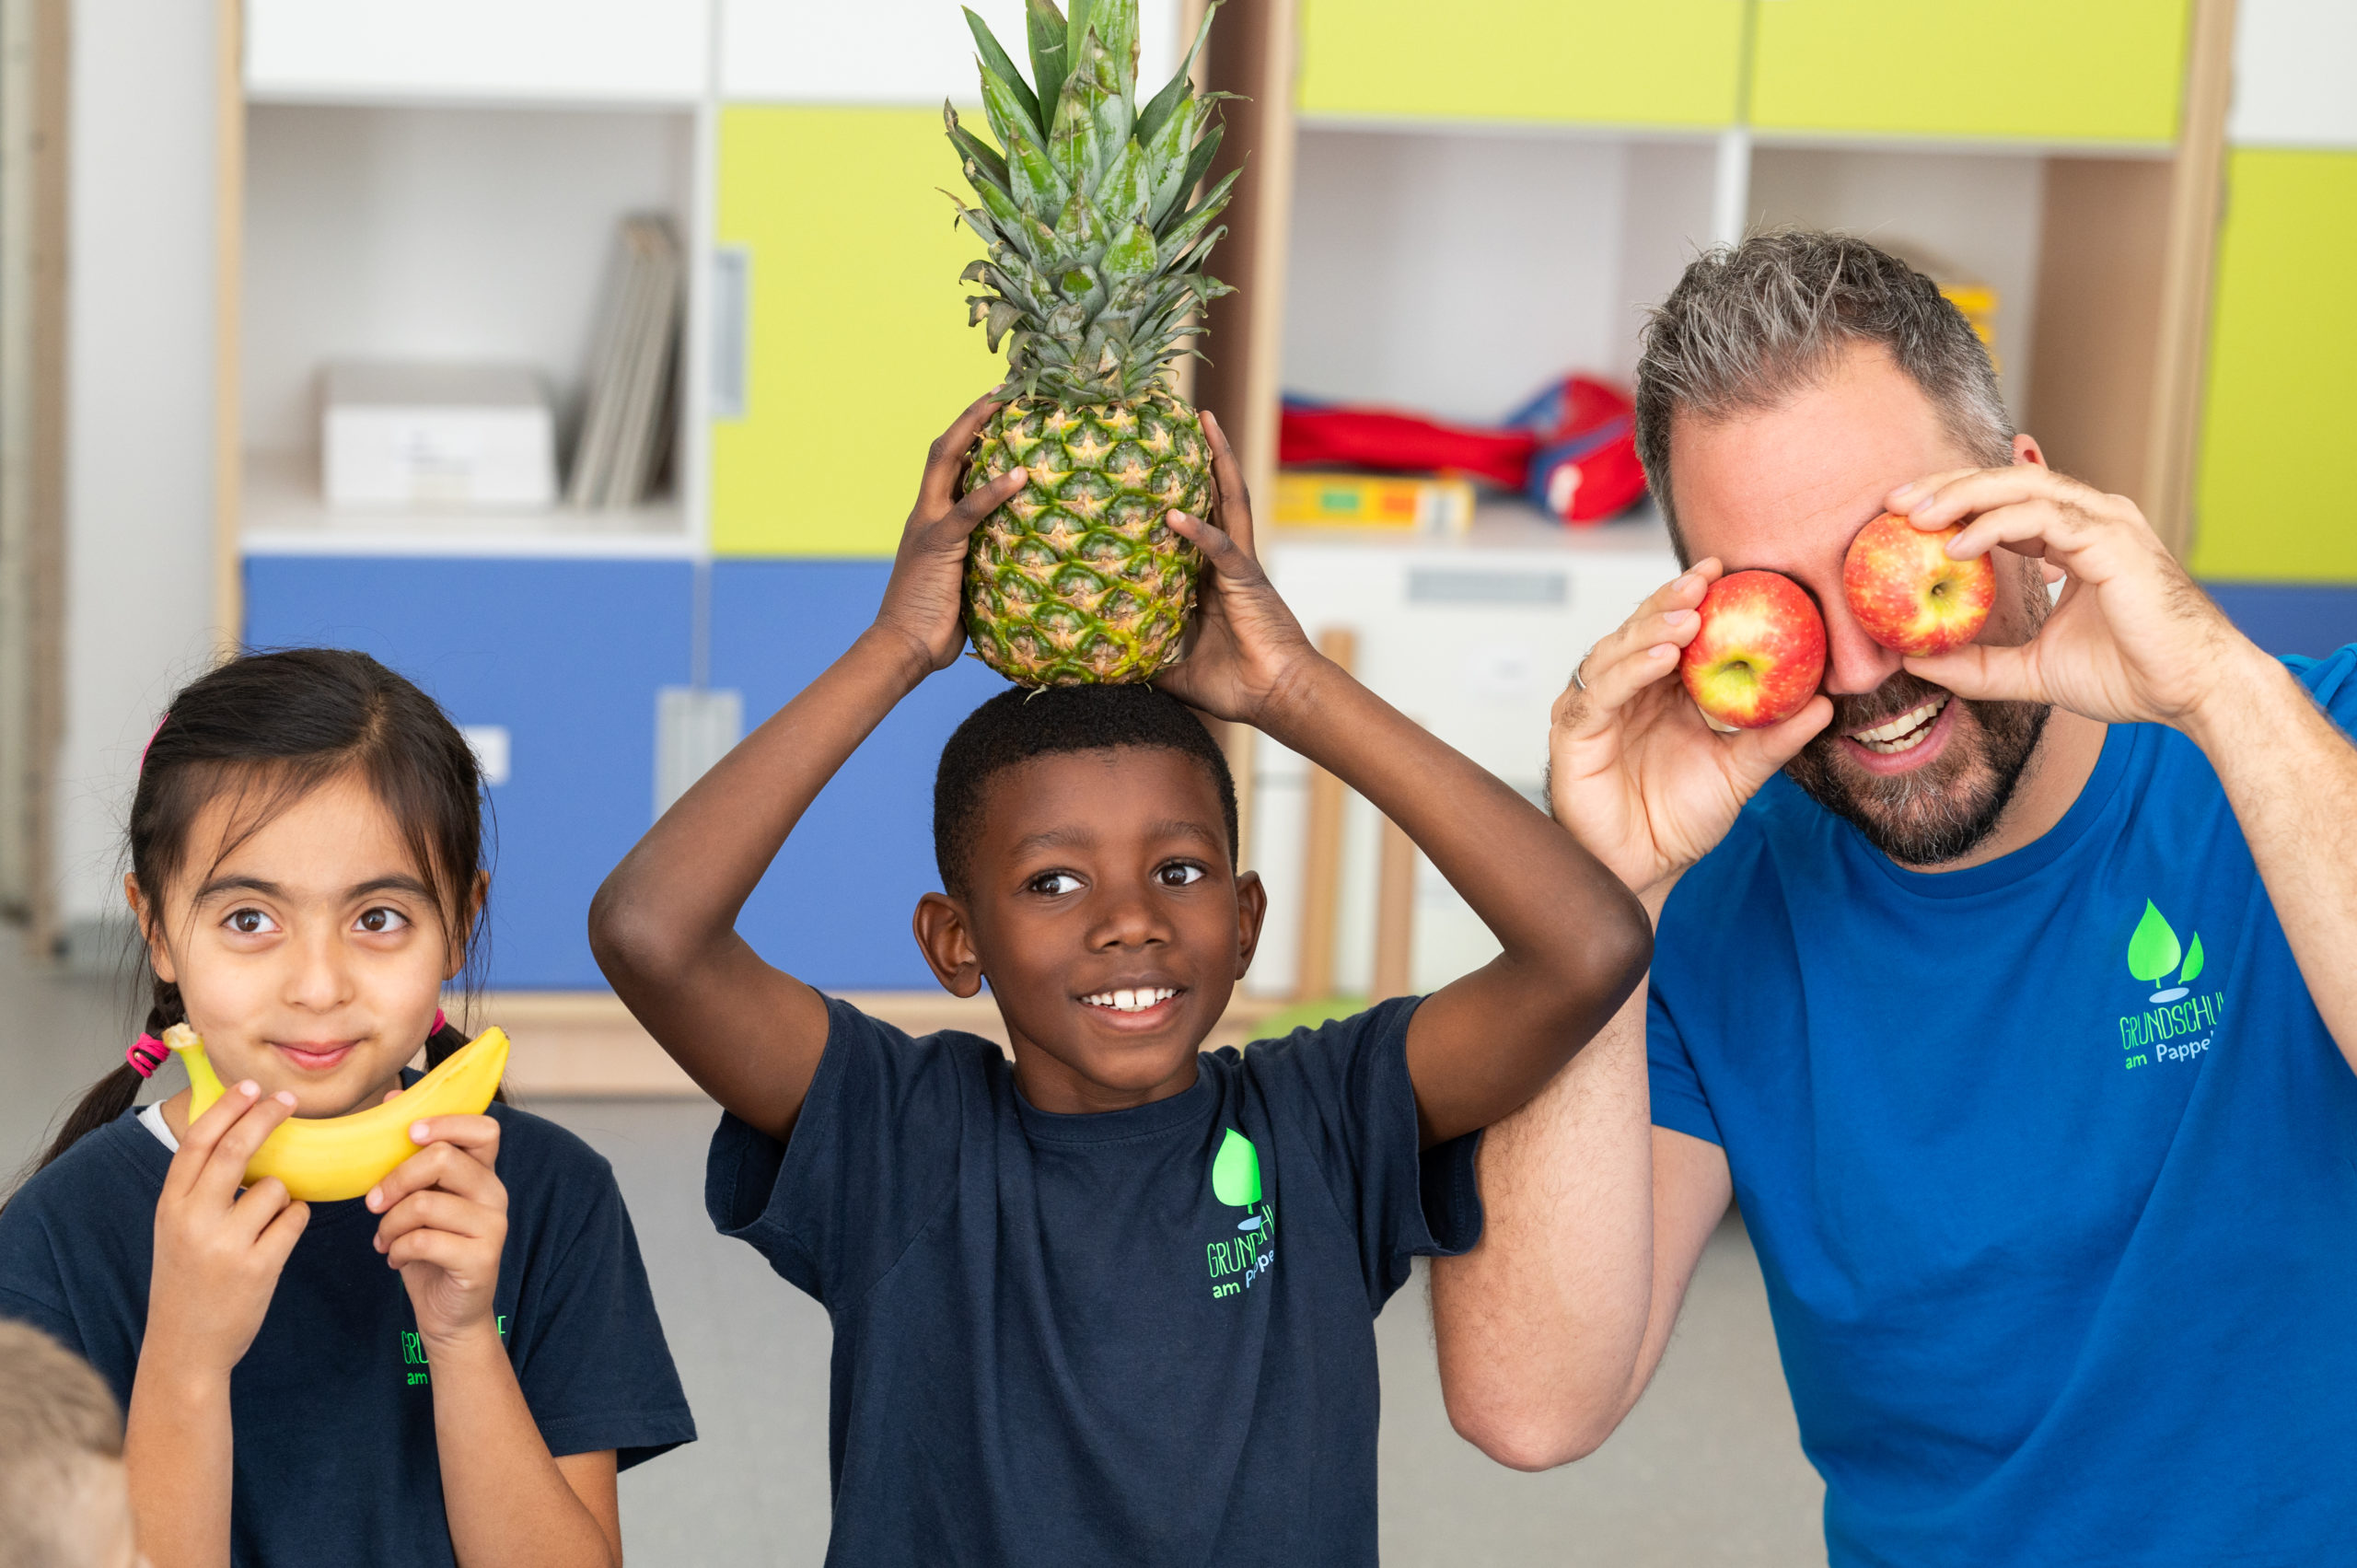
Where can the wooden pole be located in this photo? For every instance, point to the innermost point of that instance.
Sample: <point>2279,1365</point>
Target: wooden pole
<point>228,287</point>
<point>1395,915</point>
<point>2197,188</point>
<point>1321,880</point>
<point>1252,55</point>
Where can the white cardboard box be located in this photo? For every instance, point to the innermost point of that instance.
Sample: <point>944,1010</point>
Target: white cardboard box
<point>396,435</point>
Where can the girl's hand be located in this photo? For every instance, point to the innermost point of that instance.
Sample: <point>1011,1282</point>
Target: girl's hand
<point>1249,651</point>
<point>924,601</point>
<point>218,1252</point>
<point>444,1223</point>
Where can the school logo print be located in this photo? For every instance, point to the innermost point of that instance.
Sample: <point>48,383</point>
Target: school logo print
<point>2163,1031</point>
<point>415,1369</point>
<point>1238,1262</point>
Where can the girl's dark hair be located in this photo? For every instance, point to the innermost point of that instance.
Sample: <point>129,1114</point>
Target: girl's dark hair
<point>267,729</point>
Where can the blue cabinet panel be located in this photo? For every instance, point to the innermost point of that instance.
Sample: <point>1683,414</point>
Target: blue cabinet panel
<point>2315,618</point>
<point>566,655</point>
<point>834,909</point>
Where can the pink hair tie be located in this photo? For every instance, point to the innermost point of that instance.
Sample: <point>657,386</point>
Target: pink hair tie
<point>147,1055</point>
<point>434,1028</point>
<point>151,739</point>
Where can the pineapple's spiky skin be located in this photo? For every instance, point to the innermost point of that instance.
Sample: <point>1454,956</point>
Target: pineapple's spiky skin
<point>1079,578</point>
<point>1097,226</point>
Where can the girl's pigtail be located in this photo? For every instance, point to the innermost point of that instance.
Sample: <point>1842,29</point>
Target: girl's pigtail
<point>118,1090</point>
<point>104,1100</point>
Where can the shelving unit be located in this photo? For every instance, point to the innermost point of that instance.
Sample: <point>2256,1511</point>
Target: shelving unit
<point>1442,217</point>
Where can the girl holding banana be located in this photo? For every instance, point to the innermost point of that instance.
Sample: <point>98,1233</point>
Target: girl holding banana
<point>452,1365</point>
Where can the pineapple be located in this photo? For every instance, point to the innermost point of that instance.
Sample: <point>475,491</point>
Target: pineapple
<point>1094,268</point>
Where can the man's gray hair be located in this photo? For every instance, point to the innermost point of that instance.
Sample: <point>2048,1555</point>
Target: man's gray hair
<point>1750,324</point>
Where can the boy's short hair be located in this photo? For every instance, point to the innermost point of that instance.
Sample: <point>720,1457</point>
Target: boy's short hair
<point>1018,725</point>
<point>58,1433</point>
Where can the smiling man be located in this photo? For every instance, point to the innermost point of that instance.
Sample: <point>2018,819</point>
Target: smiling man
<point>2007,992</point>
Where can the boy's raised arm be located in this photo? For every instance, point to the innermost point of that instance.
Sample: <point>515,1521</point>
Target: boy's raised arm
<point>1575,939</point>
<point>664,925</point>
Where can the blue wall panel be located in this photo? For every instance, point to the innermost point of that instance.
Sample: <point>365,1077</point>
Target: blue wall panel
<point>2291,618</point>
<point>834,909</point>
<point>567,655</point>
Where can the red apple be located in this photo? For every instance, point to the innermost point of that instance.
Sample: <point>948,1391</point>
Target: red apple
<point>1907,594</point>
<point>1759,654</point>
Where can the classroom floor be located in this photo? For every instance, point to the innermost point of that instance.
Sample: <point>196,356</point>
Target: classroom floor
<point>1707,1472</point>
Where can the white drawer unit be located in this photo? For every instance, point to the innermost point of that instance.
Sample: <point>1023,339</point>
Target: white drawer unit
<point>1474,639</point>
<point>496,50</point>
<point>891,52</point>
<point>2295,73</point>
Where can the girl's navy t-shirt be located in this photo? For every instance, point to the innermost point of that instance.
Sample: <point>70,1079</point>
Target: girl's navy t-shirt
<point>333,1404</point>
<point>1143,1337</point>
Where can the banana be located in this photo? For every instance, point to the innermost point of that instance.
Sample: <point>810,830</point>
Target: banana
<point>321,1159</point>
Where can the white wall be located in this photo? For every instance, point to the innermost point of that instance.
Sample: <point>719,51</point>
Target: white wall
<point>1451,273</point>
<point>139,473</point>
<point>1981,213</point>
<point>437,233</point>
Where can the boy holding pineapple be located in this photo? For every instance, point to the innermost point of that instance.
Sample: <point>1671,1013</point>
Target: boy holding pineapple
<point>1113,1302</point>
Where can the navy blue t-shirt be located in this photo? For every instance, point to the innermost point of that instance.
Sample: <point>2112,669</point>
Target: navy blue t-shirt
<point>333,1404</point>
<point>2049,1167</point>
<point>1143,1336</point>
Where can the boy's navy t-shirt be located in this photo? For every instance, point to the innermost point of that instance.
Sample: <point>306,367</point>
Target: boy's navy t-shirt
<point>2049,1163</point>
<point>332,1405</point>
<point>1143,1337</point>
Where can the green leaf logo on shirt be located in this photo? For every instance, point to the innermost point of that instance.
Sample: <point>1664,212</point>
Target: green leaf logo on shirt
<point>1236,1174</point>
<point>2153,952</point>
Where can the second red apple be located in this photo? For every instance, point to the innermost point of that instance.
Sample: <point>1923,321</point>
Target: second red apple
<point>1906,592</point>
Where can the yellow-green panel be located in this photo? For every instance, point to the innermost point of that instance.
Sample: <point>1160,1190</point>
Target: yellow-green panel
<point>2042,70</point>
<point>1595,61</point>
<point>859,351</point>
<point>2273,503</point>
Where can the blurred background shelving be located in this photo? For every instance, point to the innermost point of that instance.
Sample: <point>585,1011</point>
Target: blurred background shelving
<point>2159,195</point>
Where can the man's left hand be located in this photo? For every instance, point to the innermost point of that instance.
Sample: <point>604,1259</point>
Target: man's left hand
<point>2133,639</point>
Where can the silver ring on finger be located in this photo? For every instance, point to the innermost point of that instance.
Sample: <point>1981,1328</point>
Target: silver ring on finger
<point>1579,678</point>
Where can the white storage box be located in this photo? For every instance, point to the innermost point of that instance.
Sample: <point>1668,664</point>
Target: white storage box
<point>437,435</point>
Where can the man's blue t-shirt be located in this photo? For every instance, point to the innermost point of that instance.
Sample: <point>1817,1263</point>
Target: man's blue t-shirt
<point>1143,1337</point>
<point>332,1407</point>
<point>2049,1163</point>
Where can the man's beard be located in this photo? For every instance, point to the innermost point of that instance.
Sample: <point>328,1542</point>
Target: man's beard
<point>1942,810</point>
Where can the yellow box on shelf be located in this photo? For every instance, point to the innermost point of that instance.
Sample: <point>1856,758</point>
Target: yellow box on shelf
<point>857,353</point>
<point>1308,498</point>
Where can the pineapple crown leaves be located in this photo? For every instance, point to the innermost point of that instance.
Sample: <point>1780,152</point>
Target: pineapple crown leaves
<point>1095,255</point>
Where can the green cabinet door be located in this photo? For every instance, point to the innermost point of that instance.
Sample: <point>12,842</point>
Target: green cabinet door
<point>2279,415</point>
<point>2103,71</point>
<point>856,351</point>
<point>1649,62</point>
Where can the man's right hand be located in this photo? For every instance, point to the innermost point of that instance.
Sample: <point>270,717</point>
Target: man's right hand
<point>1634,773</point>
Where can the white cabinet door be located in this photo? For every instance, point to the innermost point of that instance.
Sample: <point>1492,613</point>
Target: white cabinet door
<point>2295,73</point>
<point>1474,641</point>
<point>584,50</point>
<point>897,51</point>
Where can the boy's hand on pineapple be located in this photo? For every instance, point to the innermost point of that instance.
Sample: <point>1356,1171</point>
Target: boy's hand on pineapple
<point>1248,653</point>
<point>923,602</point>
